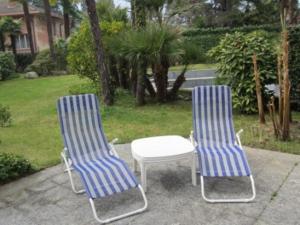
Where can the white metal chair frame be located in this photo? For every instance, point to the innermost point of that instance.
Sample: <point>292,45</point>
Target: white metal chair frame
<point>235,200</point>
<point>69,169</point>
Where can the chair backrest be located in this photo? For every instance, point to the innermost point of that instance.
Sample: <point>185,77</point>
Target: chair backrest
<point>212,116</point>
<point>81,127</point>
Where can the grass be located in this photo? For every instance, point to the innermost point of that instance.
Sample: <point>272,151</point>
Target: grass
<point>35,131</point>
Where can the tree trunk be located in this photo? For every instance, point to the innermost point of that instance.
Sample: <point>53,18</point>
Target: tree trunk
<point>280,99</point>
<point>66,6</point>
<point>49,28</point>
<point>113,71</point>
<point>67,25</point>
<point>13,44</point>
<point>139,21</point>
<point>101,66</point>
<point>123,72</point>
<point>272,111</point>
<point>133,16</point>
<point>133,79</point>
<point>286,88</point>
<point>160,72</point>
<point>140,14</point>
<point>140,89</point>
<point>177,84</point>
<point>149,87</point>
<point>258,92</point>
<point>288,10</point>
<point>27,18</point>
<point>2,42</point>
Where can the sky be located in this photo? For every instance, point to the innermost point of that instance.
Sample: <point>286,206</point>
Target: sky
<point>122,3</point>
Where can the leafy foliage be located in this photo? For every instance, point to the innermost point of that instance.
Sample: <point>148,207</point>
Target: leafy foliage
<point>23,60</point>
<point>7,65</point>
<point>207,38</point>
<point>9,25</point>
<point>44,65</point>
<point>107,11</point>
<point>294,63</point>
<point>232,13</point>
<point>5,116</point>
<point>81,54</point>
<point>13,166</point>
<point>235,68</point>
<point>150,43</point>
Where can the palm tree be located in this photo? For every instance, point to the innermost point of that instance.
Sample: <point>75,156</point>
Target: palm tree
<point>139,22</point>
<point>101,65</point>
<point>156,46</point>
<point>47,9</point>
<point>12,27</point>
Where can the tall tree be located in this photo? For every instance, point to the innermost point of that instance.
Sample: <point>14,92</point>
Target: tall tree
<point>102,67</point>
<point>139,70</point>
<point>66,11</point>
<point>27,18</point>
<point>47,9</point>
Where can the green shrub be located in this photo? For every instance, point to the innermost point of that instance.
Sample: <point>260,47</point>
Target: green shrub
<point>81,55</point>
<point>44,65</point>
<point>5,116</point>
<point>23,60</point>
<point>235,67</point>
<point>83,89</point>
<point>61,54</point>
<point>81,52</point>
<point>7,65</point>
<point>294,64</point>
<point>13,166</point>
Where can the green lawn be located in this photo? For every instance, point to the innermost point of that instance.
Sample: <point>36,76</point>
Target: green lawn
<point>35,130</point>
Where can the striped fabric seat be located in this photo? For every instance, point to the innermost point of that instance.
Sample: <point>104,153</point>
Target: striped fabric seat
<point>102,173</point>
<point>218,153</point>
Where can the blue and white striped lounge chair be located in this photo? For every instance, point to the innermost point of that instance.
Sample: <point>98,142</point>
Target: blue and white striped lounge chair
<point>220,153</point>
<point>87,151</point>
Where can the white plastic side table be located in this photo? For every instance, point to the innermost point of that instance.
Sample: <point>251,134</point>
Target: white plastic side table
<point>162,149</point>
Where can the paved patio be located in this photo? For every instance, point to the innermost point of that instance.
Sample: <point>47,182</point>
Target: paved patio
<point>45,198</point>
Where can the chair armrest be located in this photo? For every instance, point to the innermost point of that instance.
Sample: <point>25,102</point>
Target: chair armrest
<point>192,139</point>
<point>65,156</point>
<point>238,137</point>
<point>112,148</point>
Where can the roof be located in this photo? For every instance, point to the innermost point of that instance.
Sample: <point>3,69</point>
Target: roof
<point>16,9</point>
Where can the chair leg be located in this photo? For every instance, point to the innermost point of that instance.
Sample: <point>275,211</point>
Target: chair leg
<point>123,215</point>
<point>69,170</point>
<point>229,200</point>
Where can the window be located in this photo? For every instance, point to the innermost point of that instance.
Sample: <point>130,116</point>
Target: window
<point>22,41</point>
<point>54,28</point>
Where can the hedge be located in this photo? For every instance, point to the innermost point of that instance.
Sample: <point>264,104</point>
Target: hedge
<point>294,64</point>
<point>207,38</point>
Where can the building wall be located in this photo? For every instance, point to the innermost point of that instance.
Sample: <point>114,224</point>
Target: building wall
<point>40,30</point>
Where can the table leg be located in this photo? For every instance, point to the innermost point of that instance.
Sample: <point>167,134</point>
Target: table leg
<point>193,168</point>
<point>144,176</point>
<point>135,169</point>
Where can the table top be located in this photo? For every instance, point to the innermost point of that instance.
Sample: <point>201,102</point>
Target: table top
<point>161,147</point>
